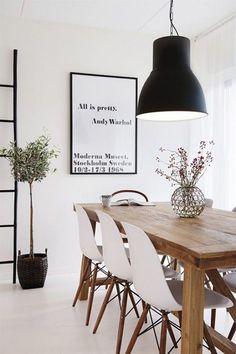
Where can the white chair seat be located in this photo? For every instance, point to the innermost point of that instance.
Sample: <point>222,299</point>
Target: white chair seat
<point>230,280</point>
<point>170,273</point>
<point>212,298</point>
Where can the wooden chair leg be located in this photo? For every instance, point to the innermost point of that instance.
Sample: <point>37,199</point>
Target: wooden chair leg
<point>122,319</point>
<point>163,334</point>
<point>213,318</point>
<point>133,301</point>
<point>137,329</point>
<point>118,293</point>
<point>175,264</point>
<point>180,318</point>
<point>104,304</point>
<point>91,294</point>
<point>171,333</point>
<point>232,331</point>
<point>81,283</point>
<point>108,276</point>
<point>209,340</point>
<point>143,304</point>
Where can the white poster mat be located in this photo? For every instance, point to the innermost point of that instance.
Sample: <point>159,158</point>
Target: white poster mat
<point>103,119</point>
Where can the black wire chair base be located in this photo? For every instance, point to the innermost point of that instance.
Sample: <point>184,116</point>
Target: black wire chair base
<point>157,322</point>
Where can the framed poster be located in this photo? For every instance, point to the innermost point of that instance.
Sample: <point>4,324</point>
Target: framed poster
<point>103,124</point>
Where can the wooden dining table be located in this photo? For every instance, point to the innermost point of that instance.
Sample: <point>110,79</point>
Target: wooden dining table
<point>204,244</point>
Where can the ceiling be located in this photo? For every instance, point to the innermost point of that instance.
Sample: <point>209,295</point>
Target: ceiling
<point>191,17</point>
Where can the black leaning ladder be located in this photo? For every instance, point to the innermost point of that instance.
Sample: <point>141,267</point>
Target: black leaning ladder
<point>12,121</point>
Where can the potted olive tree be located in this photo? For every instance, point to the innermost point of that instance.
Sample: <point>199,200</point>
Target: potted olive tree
<point>31,164</point>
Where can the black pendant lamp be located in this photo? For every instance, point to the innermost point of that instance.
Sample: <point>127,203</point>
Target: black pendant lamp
<point>171,92</point>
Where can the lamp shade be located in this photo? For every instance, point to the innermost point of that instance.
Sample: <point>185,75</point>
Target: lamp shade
<point>171,92</point>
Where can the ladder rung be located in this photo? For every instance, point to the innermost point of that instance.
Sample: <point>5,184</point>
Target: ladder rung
<point>6,262</point>
<point>7,190</point>
<point>3,85</point>
<point>10,225</point>
<point>6,120</point>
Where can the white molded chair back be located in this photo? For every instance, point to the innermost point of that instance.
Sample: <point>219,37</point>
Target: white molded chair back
<point>86,236</point>
<point>145,266</point>
<point>209,202</point>
<point>114,253</point>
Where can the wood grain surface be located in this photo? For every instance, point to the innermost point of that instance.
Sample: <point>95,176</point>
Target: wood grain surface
<point>207,241</point>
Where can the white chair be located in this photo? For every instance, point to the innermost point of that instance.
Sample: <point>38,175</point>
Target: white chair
<point>208,202</point>
<point>230,280</point>
<point>162,294</point>
<point>90,250</point>
<point>117,262</point>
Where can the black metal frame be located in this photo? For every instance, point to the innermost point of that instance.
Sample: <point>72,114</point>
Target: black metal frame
<point>15,190</point>
<point>71,125</point>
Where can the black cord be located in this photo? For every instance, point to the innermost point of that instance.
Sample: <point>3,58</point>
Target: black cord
<point>172,26</point>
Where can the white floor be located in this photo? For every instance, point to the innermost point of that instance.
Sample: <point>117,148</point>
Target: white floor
<point>42,321</point>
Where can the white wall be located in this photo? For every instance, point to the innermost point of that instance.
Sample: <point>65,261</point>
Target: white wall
<point>47,53</point>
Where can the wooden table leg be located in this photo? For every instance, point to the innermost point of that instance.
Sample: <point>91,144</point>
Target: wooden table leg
<point>84,264</point>
<point>192,317</point>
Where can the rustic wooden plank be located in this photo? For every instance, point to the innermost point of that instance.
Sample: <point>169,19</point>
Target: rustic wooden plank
<point>207,241</point>
<point>192,316</point>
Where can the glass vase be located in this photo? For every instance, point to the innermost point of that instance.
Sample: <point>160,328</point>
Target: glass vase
<point>188,202</point>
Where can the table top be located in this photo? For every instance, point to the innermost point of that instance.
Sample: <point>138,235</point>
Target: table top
<point>207,241</point>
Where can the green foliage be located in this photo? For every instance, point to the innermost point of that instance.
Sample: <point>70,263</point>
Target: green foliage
<point>32,163</point>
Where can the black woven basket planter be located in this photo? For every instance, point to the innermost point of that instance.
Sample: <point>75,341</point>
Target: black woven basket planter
<point>32,271</point>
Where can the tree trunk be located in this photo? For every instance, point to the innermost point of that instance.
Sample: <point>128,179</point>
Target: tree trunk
<point>31,223</point>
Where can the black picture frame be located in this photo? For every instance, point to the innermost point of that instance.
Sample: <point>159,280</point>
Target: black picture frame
<point>103,124</point>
